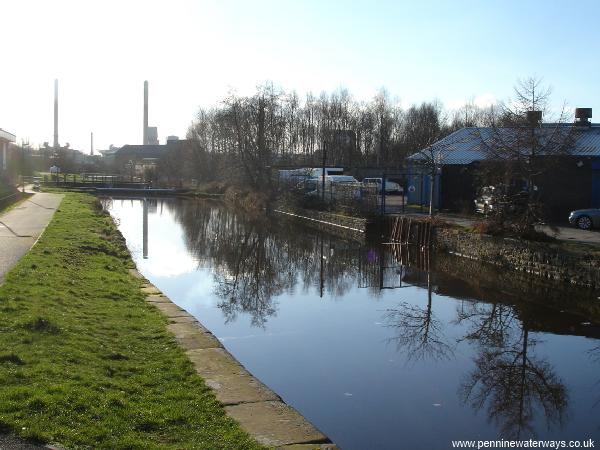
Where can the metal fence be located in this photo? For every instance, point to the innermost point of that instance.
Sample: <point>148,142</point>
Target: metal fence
<point>342,196</point>
<point>404,191</point>
<point>87,180</point>
<point>413,195</point>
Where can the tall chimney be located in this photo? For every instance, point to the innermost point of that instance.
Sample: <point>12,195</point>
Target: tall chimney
<point>92,143</point>
<point>55,113</point>
<point>145,113</point>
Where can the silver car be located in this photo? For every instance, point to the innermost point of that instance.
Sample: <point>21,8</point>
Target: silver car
<point>586,219</point>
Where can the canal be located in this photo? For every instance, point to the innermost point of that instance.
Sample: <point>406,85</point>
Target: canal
<point>380,347</point>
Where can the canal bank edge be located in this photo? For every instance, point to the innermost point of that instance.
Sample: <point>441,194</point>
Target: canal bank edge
<point>541,259</point>
<point>259,411</point>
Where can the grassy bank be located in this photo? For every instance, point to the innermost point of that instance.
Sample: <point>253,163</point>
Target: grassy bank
<point>84,361</point>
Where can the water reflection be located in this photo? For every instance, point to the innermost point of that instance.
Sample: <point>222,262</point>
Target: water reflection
<point>145,228</point>
<point>417,331</point>
<point>492,332</point>
<point>255,261</point>
<point>509,381</point>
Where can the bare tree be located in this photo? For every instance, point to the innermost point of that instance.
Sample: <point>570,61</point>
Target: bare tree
<point>521,148</point>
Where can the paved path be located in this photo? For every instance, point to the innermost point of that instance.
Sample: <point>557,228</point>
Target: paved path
<point>562,233</point>
<point>591,237</point>
<point>22,226</point>
<point>14,443</point>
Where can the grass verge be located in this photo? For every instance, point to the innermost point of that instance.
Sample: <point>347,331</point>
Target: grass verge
<point>84,361</point>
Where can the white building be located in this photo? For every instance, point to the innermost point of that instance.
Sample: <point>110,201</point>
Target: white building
<point>6,138</point>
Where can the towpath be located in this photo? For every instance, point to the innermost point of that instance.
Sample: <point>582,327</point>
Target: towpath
<point>21,227</point>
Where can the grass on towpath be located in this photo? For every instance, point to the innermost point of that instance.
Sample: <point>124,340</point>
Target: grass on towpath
<point>84,361</point>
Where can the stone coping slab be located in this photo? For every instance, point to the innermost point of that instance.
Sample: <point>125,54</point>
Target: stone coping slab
<point>274,423</point>
<point>308,447</point>
<point>192,336</point>
<point>259,410</point>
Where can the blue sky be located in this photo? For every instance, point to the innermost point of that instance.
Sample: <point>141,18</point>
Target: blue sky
<point>194,52</point>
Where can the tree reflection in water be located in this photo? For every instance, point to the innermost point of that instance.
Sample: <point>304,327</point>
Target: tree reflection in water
<point>509,381</point>
<point>594,354</point>
<point>417,330</point>
<point>254,261</point>
<point>252,283</point>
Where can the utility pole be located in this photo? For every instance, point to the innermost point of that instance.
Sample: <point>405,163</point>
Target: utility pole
<point>323,174</point>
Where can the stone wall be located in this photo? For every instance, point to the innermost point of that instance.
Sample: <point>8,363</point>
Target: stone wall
<point>543,259</point>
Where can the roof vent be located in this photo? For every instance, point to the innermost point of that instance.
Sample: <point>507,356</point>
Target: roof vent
<point>534,117</point>
<point>583,116</point>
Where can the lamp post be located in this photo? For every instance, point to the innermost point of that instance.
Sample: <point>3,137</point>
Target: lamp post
<point>323,172</point>
<point>23,166</point>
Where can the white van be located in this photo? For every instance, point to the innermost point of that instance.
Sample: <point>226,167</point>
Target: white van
<point>391,187</point>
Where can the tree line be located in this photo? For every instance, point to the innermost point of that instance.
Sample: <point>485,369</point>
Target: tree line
<point>244,137</point>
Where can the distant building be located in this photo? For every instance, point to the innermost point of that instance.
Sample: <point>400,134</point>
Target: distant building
<point>108,156</point>
<point>152,136</point>
<point>137,159</point>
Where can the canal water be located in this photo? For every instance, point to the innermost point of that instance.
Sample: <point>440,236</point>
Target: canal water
<point>380,347</point>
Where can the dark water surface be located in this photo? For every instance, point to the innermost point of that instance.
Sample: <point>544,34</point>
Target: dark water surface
<point>374,349</point>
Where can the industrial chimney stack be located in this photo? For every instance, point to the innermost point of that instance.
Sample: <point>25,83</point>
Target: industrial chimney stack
<point>145,142</point>
<point>55,113</point>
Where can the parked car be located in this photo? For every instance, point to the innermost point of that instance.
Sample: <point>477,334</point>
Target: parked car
<point>307,186</point>
<point>391,187</point>
<point>493,199</point>
<point>485,201</point>
<point>586,219</point>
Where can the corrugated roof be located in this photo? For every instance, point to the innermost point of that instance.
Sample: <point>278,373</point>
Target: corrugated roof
<point>467,145</point>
